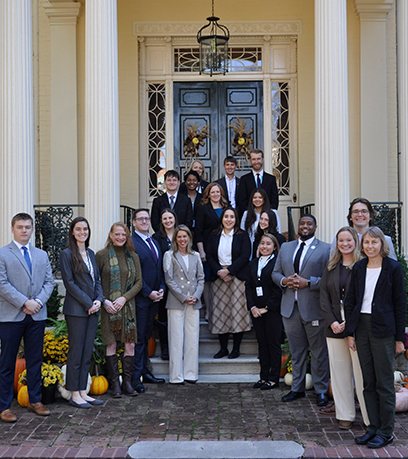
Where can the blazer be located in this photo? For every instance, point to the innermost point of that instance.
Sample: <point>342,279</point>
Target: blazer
<point>272,294</point>
<point>207,221</point>
<point>203,184</point>
<point>17,284</point>
<point>389,301</point>
<point>182,208</point>
<point>308,299</point>
<point>80,289</point>
<point>241,251</point>
<point>162,241</point>
<point>330,297</point>
<point>247,184</point>
<point>152,273</point>
<point>223,183</point>
<point>183,282</point>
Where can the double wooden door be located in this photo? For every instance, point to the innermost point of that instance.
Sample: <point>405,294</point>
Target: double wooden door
<point>217,106</point>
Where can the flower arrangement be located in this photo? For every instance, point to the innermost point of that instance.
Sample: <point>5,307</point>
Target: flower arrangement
<point>51,374</point>
<point>193,141</point>
<point>55,348</point>
<point>242,140</point>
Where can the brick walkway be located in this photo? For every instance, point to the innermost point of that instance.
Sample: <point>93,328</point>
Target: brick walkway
<point>199,412</point>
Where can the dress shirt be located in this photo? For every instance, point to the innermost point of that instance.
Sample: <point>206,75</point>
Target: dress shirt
<point>308,244</point>
<point>232,188</point>
<point>145,238</point>
<point>175,198</point>
<point>20,246</point>
<point>371,280</point>
<point>225,248</point>
<point>261,173</point>
<point>186,260</point>
<point>263,261</point>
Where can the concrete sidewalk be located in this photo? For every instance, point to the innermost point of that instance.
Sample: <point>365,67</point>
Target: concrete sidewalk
<point>205,412</point>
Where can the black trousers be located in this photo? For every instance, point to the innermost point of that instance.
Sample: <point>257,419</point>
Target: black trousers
<point>268,330</point>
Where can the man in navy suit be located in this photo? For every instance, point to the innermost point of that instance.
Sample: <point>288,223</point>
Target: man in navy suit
<point>147,300</point>
<point>229,182</point>
<point>26,283</point>
<point>257,178</point>
<point>172,199</point>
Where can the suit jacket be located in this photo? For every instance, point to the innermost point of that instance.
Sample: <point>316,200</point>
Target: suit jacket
<point>389,301</point>
<point>313,266</point>
<point>241,251</point>
<point>222,182</point>
<point>17,285</point>
<point>330,297</point>
<point>207,221</point>
<point>272,294</point>
<point>162,241</point>
<point>247,184</point>
<point>183,282</point>
<point>81,291</point>
<point>196,203</point>
<point>182,208</point>
<point>152,273</point>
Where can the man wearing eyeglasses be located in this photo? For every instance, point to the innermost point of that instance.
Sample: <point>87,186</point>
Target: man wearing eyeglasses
<point>147,300</point>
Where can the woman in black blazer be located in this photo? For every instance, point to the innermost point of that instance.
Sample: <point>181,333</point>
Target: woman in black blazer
<point>82,304</point>
<point>268,223</point>
<point>229,249</point>
<point>263,300</point>
<point>191,181</point>
<point>375,325</point>
<point>197,166</point>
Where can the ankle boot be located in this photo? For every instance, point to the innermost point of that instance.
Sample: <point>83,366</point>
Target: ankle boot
<point>127,369</point>
<point>113,373</point>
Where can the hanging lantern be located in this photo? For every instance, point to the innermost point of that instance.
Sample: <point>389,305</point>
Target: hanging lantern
<point>213,39</point>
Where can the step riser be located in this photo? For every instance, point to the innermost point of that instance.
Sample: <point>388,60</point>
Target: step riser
<point>227,367</point>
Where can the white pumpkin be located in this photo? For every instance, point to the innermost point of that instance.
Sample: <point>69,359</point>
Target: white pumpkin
<point>288,379</point>
<point>398,377</point>
<point>309,381</point>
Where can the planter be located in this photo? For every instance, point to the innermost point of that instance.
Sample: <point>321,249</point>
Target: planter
<point>48,394</point>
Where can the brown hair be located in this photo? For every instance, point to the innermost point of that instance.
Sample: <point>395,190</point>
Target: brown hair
<point>274,240</point>
<point>174,245</point>
<point>129,243</point>
<point>206,197</point>
<point>337,256</point>
<point>375,232</point>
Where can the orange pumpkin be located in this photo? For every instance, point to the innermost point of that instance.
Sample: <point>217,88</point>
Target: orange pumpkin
<point>22,396</point>
<point>151,347</point>
<point>19,386</point>
<point>99,385</point>
<point>20,367</point>
<point>284,370</point>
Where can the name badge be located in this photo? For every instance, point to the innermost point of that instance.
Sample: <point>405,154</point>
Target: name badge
<point>315,323</point>
<point>259,291</point>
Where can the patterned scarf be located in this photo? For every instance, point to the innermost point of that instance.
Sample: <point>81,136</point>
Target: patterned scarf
<point>115,292</point>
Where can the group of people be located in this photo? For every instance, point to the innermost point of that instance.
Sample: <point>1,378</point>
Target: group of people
<point>219,244</point>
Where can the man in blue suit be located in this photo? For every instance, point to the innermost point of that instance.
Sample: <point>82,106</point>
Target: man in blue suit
<point>26,283</point>
<point>147,300</point>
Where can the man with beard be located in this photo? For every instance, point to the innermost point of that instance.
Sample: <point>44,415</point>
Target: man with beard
<point>298,270</point>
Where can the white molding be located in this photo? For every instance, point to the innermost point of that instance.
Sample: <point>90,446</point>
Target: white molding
<point>373,10</point>
<point>243,28</point>
<point>62,13</point>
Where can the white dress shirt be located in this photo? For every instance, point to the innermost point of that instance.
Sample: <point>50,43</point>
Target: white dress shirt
<point>225,249</point>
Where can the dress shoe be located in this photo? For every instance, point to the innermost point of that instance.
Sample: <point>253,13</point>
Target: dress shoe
<point>328,409</point>
<point>182,383</point>
<point>95,402</point>
<point>79,405</point>
<point>234,354</point>
<point>150,379</point>
<point>364,439</point>
<point>345,425</point>
<point>165,354</point>
<point>258,384</point>
<point>221,353</point>
<point>38,408</point>
<point>267,385</point>
<point>139,387</point>
<point>191,381</point>
<point>291,396</point>
<point>322,399</point>
<point>379,441</point>
<point>8,416</point>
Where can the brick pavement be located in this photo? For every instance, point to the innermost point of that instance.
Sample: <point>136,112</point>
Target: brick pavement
<point>192,412</point>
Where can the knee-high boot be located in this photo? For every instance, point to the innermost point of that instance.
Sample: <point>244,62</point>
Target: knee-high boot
<point>113,373</point>
<point>127,369</point>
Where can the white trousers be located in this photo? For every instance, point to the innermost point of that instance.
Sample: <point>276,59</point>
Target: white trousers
<point>183,327</point>
<point>345,372</point>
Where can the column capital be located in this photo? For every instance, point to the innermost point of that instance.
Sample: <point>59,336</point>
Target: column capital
<point>62,12</point>
<point>373,10</point>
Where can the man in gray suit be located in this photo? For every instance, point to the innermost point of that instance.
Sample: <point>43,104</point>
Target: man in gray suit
<point>26,283</point>
<point>298,270</point>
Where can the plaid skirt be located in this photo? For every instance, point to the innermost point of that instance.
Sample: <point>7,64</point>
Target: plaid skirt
<point>229,310</point>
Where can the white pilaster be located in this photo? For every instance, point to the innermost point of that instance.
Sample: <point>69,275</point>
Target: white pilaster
<point>402,40</point>
<point>332,134</point>
<point>102,192</point>
<point>16,113</point>
<point>64,137</point>
<point>373,87</point>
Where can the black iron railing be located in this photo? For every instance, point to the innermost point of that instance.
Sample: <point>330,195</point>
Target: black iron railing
<point>127,213</point>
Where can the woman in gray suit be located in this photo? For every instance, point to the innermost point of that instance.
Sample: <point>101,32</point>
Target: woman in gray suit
<point>81,308</point>
<point>184,275</point>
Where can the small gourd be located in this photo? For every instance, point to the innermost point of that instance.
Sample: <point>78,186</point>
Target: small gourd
<point>22,396</point>
<point>99,385</point>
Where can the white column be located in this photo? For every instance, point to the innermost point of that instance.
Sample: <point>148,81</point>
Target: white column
<point>374,116</point>
<point>102,192</point>
<point>16,113</point>
<point>402,40</point>
<point>332,189</point>
<point>64,139</point>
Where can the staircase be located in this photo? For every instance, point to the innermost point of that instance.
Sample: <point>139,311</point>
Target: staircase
<point>244,369</point>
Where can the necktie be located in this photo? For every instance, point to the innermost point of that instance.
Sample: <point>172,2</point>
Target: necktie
<point>149,241</point>
<point>171,202</point>
<point>258,181</point>
<point>27,258</point>
<point>297,257</point>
